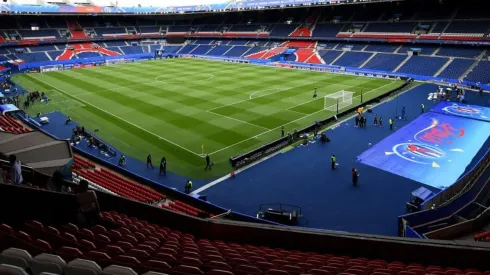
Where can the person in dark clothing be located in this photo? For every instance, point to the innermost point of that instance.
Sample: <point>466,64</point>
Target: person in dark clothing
<point>67,120</point>
<point>188,187</point>
<point>422,108</point>
<point>57,180</point>
<point>88,205</point>
<point>148,161</point>
<point>333,160</point>
<point>375,120</point>
<point>209,164</point>
<point>380,121</point>
<point>357,121</point>
<point>403,112</point>
<point>163,166</point>
<point>355,176</point>
<point>122,160</point>
<point>480,91</point>
<point>282,131</point>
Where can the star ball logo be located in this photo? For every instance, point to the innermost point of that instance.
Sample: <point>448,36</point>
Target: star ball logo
<point>461,110</point>
<point>425,148</point>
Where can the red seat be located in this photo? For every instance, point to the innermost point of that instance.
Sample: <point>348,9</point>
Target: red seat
<point>157,266</point>
<point>113,250</point>
<point>319,272</point>
<point>264,266</point>
<point>69,253</point>
<point>87,245</point>
<point>127,261</point>
<point>276,272</point>
<point>219,272</point>
<point>43,246</point>
<point>186,270</point>
<point>170,259</point>
<point>190,262</point>
<point>217,265</point>
<point>279,263</point>
<point>247,270</point>
<point>293,270</point>
<point>139,254</point>
<point>100,258</point>
<point>237,262</point>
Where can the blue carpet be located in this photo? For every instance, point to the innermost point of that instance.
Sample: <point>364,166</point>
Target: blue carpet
<point>57,128</point>
<point>303,177</point>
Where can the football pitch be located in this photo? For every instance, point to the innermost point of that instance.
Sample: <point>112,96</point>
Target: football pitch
<point>182,108</point>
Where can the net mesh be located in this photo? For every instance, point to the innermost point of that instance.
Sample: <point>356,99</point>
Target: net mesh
<point>338,100</point>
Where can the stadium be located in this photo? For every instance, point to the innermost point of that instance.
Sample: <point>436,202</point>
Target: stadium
<point>244,137</point>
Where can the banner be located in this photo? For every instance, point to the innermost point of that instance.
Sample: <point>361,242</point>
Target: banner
<point>463,110</point>
<point>434,149</point>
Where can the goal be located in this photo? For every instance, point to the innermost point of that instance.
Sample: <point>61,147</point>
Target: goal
<point>51,68</point>
<point>115,61</point>
<point>338,100</point>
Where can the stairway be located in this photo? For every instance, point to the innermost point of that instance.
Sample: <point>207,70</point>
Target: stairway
<point>338,57</point>
<point>401,64</point>
<point>465,74</point>
<point>367,60</point>
<point>444,67</point>
<point>76,30</point>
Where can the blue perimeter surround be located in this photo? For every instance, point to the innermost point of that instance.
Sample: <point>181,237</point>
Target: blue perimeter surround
<point>434,149</point>
<point>463,110</point>
<point>331,69</point>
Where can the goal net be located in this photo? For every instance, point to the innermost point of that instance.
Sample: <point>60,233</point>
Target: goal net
<point>338,100</point>
<point>51,68</point>
<point>115,61</point>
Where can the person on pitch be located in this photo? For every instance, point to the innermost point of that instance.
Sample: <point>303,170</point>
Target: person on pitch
<point>357,121</point>
<point>380,121</point>
<point>163,166</point>
<point>391,123</point>
<point>403,112</point>
<point>148,161</point>
<point>333,161</point>
<point>282,131</point>
<point>375,120</point>
<point>315,93</point>
<point>209,164</point>
<point>188,186</point>
<point>355,176</point>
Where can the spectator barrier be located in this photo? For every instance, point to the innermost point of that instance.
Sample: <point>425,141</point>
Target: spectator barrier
<point>45,206</point>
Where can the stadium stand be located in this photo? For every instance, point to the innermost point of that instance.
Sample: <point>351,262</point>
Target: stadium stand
<point>480,72</point>
<point>456,68</point>
<point>352,59</point>
<point>384,62</point>
<point>423,65</point>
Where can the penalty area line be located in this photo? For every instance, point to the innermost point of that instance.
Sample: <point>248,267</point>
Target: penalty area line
<point>115,116</point>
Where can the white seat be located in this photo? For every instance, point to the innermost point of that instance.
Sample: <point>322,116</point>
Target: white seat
<point>13,260</point>
<point>47,263</point>
<point>17,253</point>
<point>11,270</point>
<point>118,270</point>
<point>82,267</point>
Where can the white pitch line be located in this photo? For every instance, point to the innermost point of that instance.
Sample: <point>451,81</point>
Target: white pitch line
<point>280,90</point>
<point>111,114</point>
<point>227,147</point>
<point>235,119</point>
<point>225,177</point>
<point>289,109</point>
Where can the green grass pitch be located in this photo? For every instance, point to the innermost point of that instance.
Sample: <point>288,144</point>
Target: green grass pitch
<point>172,107</point>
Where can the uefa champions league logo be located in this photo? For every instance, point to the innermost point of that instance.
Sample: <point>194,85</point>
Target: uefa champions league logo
<point>425,148</point>
<point>462,110</point>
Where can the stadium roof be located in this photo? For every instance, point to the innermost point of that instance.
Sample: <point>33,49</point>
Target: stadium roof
<point>174,6</point>
<point>37,150</point>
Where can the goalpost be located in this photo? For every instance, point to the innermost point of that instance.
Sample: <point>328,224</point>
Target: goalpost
<point>336,101</point>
